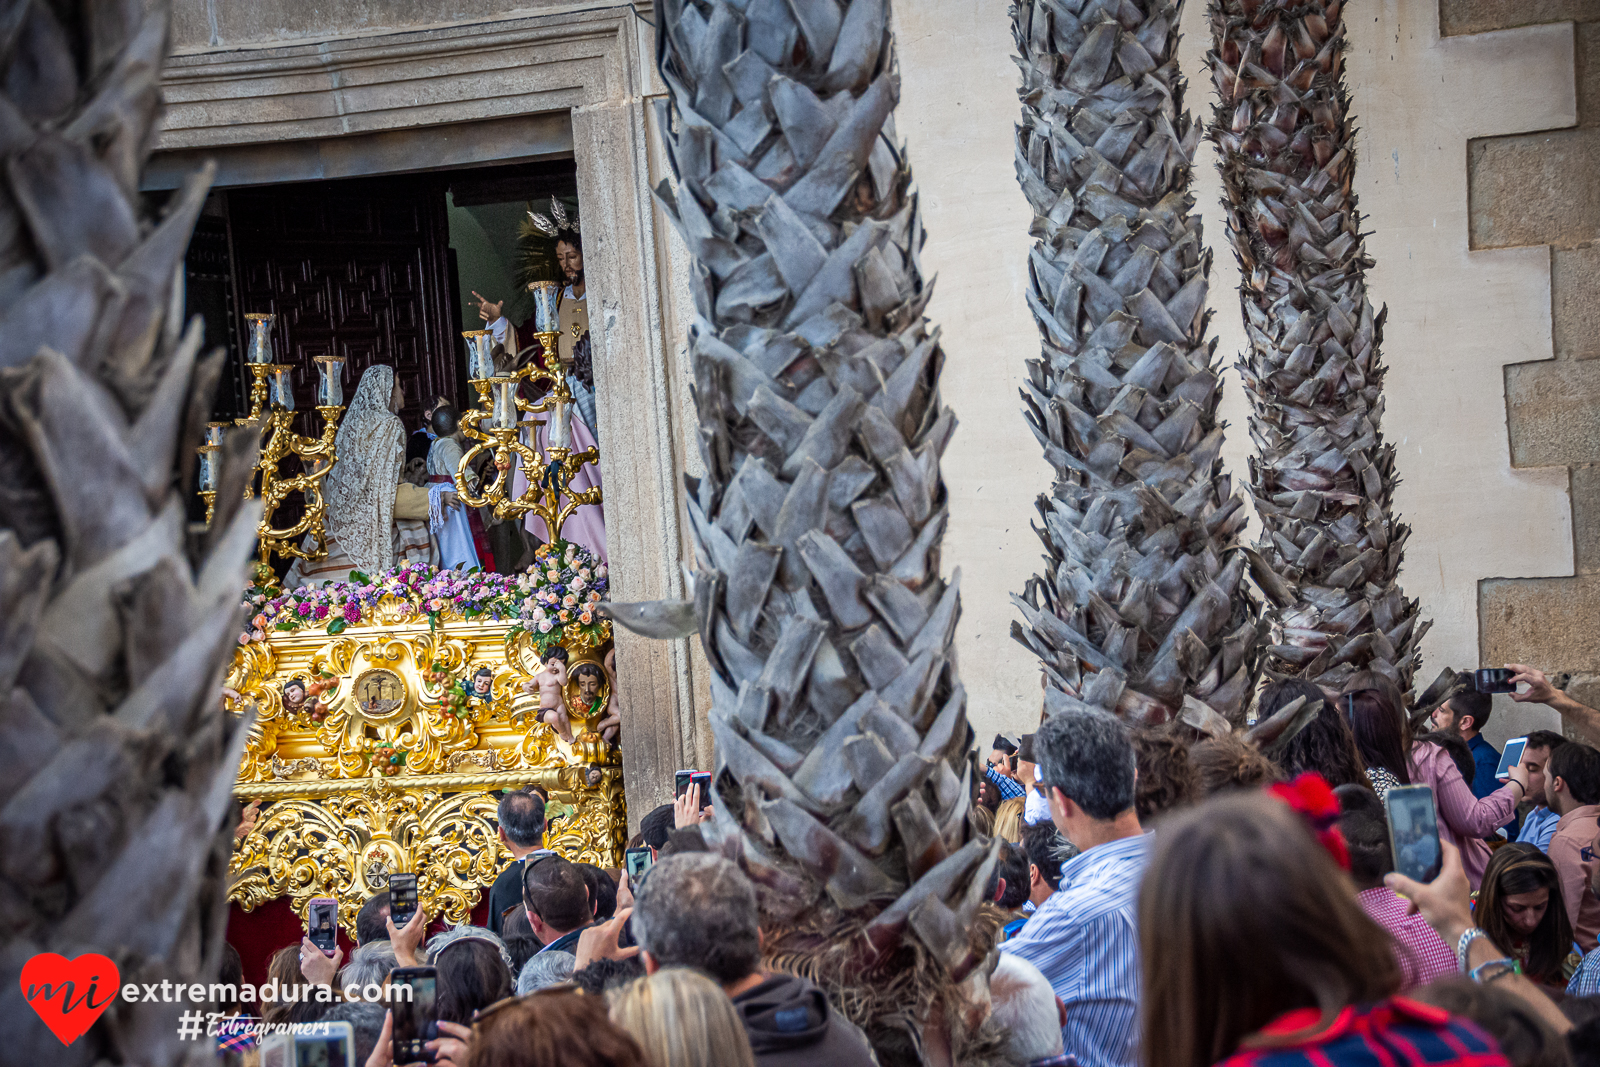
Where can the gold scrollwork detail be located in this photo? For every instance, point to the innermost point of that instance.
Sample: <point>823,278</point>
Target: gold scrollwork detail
<point>347,846</point>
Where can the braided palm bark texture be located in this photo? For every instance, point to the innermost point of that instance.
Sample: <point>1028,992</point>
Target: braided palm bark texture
<point>839,719</point>
<point>1323,478</point>
<point>118,761</point>
<point>1142,608</point>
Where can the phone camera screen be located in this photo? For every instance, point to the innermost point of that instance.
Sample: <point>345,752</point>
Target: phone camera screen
<point>402,898</point>
<point>413,1019</point>
<point>1415,832</point>
<point>324,924</point>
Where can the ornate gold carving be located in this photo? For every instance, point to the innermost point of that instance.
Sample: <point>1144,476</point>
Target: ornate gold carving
<point>337,820</point>
<point>347,846</point>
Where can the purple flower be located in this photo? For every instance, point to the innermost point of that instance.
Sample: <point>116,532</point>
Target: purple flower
<point>304,610</point>
<point>352,612</point>
<point>321,612</point>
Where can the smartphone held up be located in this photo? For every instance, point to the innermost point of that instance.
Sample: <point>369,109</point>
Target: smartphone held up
<point>402,899</point>
<point>1414,832</point>
<point>415,1022</point>
<point>1494,680</point>
<point>322,923</point>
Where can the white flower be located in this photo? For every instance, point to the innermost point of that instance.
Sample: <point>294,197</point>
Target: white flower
<point>544,626</point>
<point>578,584</point>
<point>538,613</point>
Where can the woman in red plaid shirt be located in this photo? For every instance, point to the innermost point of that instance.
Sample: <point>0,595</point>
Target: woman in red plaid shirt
<point>1256,952</point>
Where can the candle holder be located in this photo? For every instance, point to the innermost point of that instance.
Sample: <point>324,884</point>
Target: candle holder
<point>330,384</point>
<point>549,494</point>
<point>546,302</point>
<point>480,354</point>
<point>209,476</point>
<point>272,407</point>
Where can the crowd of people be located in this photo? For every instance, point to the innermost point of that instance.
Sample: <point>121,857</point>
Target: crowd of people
<point>1166,899</point>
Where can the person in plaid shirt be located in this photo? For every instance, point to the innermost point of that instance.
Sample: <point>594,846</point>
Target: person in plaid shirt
<point>1421,953</point>
<point>1001,768</point>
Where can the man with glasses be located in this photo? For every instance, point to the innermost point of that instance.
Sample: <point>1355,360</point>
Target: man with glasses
<point>1084,938</point>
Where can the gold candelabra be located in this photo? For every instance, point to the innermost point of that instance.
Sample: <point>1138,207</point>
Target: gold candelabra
<point>272,400</point>
<point>549,494</point>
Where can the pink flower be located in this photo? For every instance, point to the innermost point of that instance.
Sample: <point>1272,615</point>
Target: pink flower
<point>257,635</point>
<point>244,639</point>
<point>544,626</point>
<point>321,612</point>
<point>569,601</point>
<point>594,597</point>
<point>586,618</point>
<point>352,612</point>
<point>304,610</point>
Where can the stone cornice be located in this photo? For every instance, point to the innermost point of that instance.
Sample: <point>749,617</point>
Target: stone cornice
<point>404,79</point>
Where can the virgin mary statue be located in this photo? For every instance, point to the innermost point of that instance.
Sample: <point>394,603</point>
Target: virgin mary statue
<point>373,519</point>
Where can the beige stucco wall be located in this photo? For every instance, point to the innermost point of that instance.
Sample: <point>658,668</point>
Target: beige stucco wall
<point>1456,317</point>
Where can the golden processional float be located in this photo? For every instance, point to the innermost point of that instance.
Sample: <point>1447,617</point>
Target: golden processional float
<point>392,711</point>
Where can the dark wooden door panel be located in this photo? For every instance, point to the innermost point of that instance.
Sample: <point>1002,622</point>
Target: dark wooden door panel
<point>357,269</point>
<point>354,268</point>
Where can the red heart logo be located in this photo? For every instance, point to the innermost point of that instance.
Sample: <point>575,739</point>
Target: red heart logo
<point>69,995</point>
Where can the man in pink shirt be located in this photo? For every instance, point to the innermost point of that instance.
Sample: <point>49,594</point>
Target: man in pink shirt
<point>1421,954</point>
<point>1572,783</point>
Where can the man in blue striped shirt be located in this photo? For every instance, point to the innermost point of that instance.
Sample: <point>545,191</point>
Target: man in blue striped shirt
<point>1085,937</point>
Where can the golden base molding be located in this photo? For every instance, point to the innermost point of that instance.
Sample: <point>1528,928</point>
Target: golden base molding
<point>385,749</point>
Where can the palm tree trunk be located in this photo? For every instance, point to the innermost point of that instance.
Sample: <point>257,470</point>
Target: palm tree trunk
<point>1323,478</point>
<point>840,722</point>
<point>1140,609</point>
<point>115,807</point>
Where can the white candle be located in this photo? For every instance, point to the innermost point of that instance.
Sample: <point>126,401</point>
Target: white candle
<point>480,353</point>
<point>330,387</point>
<point>208,468</point>
<point>505,405</point>
<point>260,338</point>
<point>561,425</point>
<point>546,318</point>
<point>282,389</point>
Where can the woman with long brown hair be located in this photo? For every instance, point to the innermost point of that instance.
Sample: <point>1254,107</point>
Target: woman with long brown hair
<point>1383,738</point>
<point>1324,746</point>
<point>1521,909</point>
<point>1253,944</point>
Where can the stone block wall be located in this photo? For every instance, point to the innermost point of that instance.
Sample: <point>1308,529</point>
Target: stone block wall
<point>1544,189</point>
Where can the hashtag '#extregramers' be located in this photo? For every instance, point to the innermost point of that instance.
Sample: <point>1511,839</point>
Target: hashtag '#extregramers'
<point>190,1025</point>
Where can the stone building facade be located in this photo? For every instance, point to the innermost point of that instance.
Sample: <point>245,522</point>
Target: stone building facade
<point>1480,128</point>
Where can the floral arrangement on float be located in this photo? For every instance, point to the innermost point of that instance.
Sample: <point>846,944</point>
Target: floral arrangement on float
<point>556,598</point>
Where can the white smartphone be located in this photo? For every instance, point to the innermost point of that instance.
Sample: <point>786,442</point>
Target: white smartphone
<point>1510,757</point>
